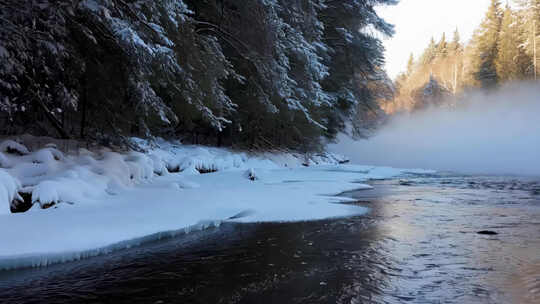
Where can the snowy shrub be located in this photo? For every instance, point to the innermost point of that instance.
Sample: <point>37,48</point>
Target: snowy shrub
<point>85,152</point>
<point>51,178</point>
<point>250,174</point>
<point>114,168</point>
<point>57,154</point>
<point>4,161</point>
<point>86,160</point>
<point>47,155</point>
<point>160,167</point>
<point>70,186</point>
<point>8,191</point>
<point>12,147</point>
<point>141,166</point>
<point>46,193</point>
<point>192,170</point>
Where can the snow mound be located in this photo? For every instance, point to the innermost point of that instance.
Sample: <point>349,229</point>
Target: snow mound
<point>184,184</point>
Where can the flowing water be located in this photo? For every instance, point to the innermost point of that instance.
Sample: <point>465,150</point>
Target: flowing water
<point>418,244</point>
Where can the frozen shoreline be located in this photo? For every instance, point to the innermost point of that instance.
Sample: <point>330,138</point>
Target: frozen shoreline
<point>108,201</point>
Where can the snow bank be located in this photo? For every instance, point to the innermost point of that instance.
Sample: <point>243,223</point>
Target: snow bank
<point>103,201</point>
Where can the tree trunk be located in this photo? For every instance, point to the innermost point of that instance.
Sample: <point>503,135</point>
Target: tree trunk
<point>83,110</point>
<point>55,123</point>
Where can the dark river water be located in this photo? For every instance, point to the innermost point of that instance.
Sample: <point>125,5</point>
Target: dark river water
<point>418,244</point>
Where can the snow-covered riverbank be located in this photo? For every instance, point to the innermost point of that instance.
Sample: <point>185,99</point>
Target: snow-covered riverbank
<point>103,201</point>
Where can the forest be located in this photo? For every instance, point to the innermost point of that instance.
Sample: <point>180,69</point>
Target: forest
<point>248,74</point>
<point>502,50</point>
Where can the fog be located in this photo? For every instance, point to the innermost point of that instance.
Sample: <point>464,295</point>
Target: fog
<point>495,133</point>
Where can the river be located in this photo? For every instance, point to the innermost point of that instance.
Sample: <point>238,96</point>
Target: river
<point>418,244</point>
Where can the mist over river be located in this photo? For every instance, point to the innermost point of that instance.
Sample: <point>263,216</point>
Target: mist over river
<point>483,133</point>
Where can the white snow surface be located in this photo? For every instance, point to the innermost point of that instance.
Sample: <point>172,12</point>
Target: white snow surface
<point>105,201</point>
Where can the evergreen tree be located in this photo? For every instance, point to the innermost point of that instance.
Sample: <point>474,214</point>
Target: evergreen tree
<point>511,60</point>
<point>455,46</point>
<point>356,55</point>
<point>500,51</point>
<point>485,43</point>
<point>431,94</point>
<point>410,65</point>
<point>261,73</point>
<point>530,13</point>
<point>442,47</point>
<point>429,53</point>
